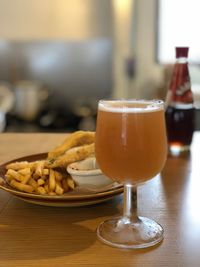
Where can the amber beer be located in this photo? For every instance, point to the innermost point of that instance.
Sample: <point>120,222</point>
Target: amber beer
<point>131,144</point>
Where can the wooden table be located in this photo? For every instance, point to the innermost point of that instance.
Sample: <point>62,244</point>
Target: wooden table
<point>32,235</point>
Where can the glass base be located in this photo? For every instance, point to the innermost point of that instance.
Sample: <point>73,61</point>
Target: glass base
<point>177,149</point>
<point>122,233</point>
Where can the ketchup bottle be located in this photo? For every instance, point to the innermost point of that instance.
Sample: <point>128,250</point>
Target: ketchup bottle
<point>180,112</point>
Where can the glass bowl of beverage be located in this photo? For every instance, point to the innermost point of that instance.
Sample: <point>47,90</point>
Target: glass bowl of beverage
<point>130,148</point>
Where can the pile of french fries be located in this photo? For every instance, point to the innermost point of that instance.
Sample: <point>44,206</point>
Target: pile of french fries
<point>50,176</point>
<point>34,177</point>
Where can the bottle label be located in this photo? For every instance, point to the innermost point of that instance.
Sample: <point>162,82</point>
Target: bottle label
<point>180,87</point>
<point>183,88</point>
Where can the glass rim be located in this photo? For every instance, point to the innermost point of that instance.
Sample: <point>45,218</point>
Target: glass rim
<point>136,100</point>
<point>146,105</point>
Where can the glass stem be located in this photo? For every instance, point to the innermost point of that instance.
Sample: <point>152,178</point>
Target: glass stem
<point>130,203</point>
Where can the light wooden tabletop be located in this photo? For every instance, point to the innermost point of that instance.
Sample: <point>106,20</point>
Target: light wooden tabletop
<point>32,235</point>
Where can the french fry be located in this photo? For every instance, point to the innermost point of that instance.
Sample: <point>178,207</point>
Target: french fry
<point>18,165</point>
<point>52,181</point>
<point>58,176</point>
<point>59,190</point>
<point>45,171</point>
<point>35,176</point>
<point>40,181</point>
<point>41,190</point>
<point>15,175</point>
<point>33,183</point>
<point>8,177</point>
<point>39,168</point>
<point>25,179</point>
<point>21,187</point>
<point>65,185</point>
<point>2,182</point>
<point>34,165</point>
<point>58,183</point>
<point>45,177</point>
<point>70,182</point>
<point>25,171</point>
<point>46,187</point>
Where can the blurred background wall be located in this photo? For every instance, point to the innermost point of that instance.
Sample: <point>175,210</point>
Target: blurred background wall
<point>59,57</point>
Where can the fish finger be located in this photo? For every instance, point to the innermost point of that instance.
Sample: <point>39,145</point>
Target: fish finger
<point>72,155</point>
<point>75,139</point>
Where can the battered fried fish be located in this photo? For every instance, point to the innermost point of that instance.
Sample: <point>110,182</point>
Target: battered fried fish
<point>72,155</point>
<point>75,139</point>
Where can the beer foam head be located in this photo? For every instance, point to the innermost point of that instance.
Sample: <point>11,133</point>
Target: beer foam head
<point>131,106</point>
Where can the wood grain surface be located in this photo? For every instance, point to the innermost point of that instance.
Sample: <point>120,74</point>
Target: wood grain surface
<point>32,235</point>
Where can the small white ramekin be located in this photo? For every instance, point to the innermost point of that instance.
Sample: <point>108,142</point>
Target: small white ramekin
<point>86,173</point>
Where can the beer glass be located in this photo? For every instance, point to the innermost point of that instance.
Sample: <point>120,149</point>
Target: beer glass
<point>131,148</point>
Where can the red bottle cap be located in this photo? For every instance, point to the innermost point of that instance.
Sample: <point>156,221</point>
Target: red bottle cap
<point>182,52</point>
